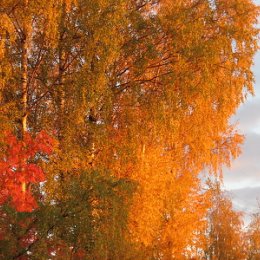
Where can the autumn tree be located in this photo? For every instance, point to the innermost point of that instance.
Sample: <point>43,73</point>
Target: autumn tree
<point>134,90</point>
<point>253,237</point>
<point>225,235</point>
<point>188,123</point>
<point>88,222</point>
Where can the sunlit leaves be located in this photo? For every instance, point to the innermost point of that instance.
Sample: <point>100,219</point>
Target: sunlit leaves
<point>143,89</point>
<point>224,233</point>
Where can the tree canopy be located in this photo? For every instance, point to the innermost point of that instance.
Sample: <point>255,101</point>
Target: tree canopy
<point>110,112</point>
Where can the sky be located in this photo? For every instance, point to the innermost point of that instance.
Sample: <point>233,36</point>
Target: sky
<point>243,178</point>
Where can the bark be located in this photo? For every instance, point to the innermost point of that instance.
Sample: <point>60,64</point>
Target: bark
<point>24,79</point>
<point>61,79</point>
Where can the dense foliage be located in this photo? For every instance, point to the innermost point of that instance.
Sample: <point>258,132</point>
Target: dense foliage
<point>110,111</point>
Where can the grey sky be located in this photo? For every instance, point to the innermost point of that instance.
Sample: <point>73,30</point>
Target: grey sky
<point>243,178</point>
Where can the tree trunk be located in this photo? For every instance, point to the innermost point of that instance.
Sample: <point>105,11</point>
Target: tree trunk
<point>24,78</point>
<point>61,80</point>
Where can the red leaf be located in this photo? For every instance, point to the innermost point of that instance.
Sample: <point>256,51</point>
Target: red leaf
<point>16,172</point>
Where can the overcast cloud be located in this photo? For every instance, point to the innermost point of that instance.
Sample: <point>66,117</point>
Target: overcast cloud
<point>243,179</point>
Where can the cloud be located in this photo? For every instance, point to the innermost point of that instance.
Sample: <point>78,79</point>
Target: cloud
<point>248,116</point>
<point>243,178</point>
<point>246,200</point>
<point>245,170</point>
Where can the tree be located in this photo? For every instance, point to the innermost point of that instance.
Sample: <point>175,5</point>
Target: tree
<point>225,228</point>
<point>88,222</point>
<point>253,238</point>
<point>142,89</point>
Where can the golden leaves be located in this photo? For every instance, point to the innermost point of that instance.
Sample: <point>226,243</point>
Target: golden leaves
<point>143,91</point>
